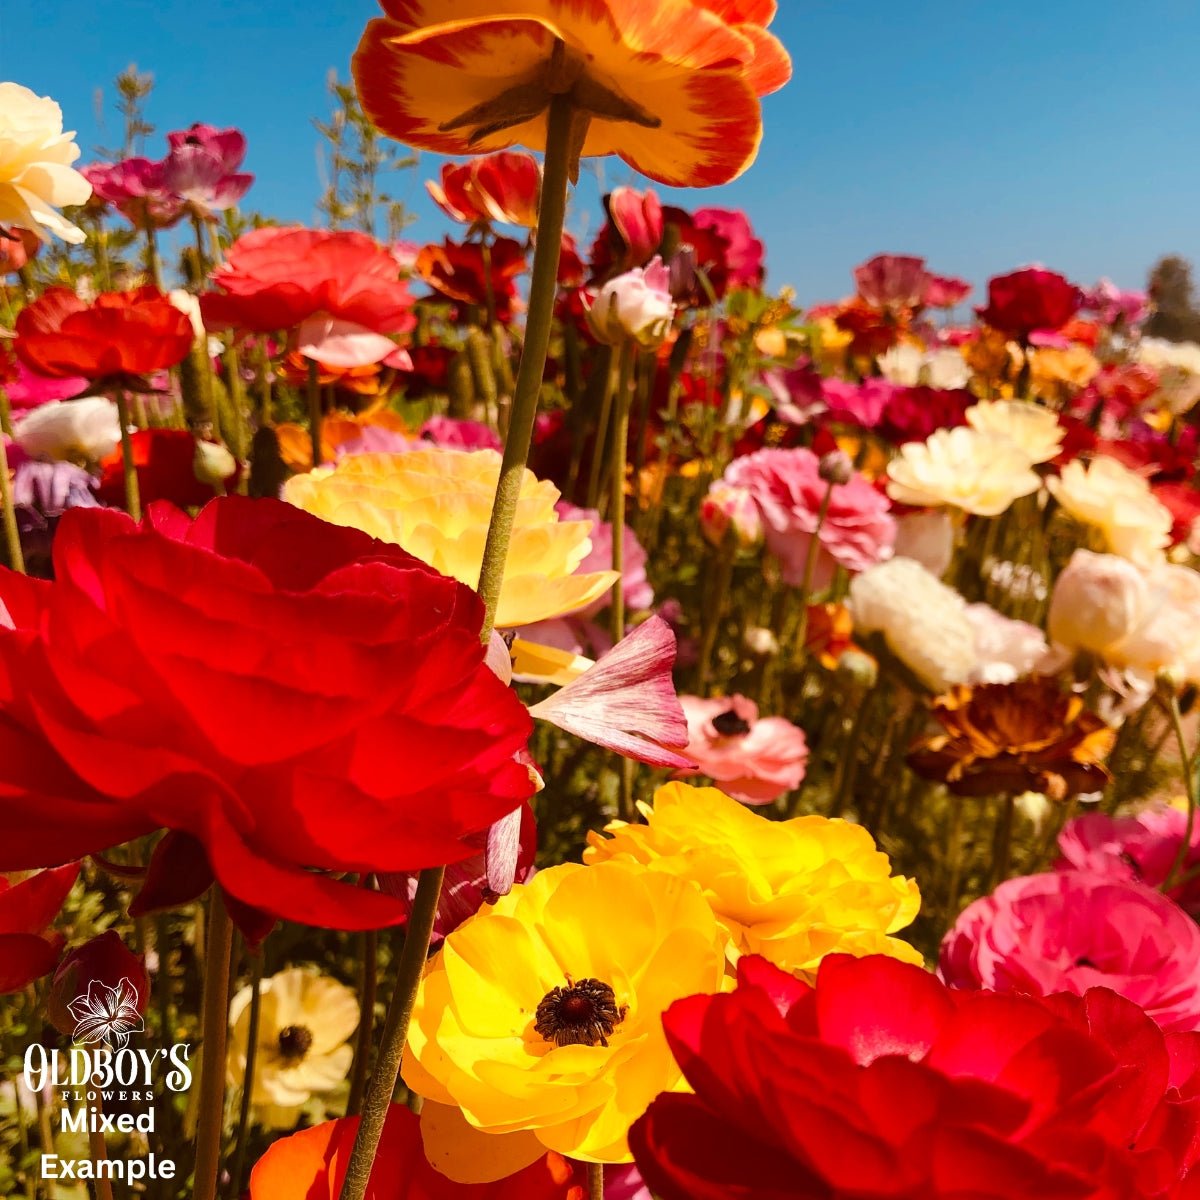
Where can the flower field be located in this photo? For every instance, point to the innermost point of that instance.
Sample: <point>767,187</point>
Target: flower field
<point>533,716</point>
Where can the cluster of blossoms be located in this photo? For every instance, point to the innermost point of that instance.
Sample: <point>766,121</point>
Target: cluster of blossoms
<point>374,621</point>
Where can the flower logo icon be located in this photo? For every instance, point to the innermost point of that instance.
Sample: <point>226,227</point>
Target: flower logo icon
<point>107,1014</point>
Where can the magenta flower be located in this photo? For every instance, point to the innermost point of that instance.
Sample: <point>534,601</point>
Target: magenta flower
<point>755,760</point>
<point>744,257</point>
<point>201,169</point>
<point>137,189</point>
<point>633,233</point>
<point>31,390</point>
<point>1068,931</point>
<point>1113,305</point>
<point>454,433</point>
<point>1142,847</point>
<point>860,404</point>
<point>857,531</point>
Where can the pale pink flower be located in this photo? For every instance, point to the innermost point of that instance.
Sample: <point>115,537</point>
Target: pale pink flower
<point>1005,649</point>
<point>636,305</point>
<point>454,433</point>
<point>892,281</point>
<point>755,760</point>
<point>726,507</point>
<point>635,587</point>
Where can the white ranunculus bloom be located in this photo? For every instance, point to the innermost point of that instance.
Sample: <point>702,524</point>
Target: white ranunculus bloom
<point>909,365</point>
<point>86,429</point>
<point>36,177</point>
<point>635,305</point>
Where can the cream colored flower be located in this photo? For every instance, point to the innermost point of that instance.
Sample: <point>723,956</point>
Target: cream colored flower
<point>981,473</point>
<point>1119,504</point>
<point>36,177</point>
<point>304,1022</point>
<point>923,622</point>
<point>84,430</point>
<point>909,366</point>
<point>1178,367</point>
<point>1034,428</point>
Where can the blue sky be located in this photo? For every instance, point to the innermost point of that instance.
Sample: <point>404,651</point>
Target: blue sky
<point>980,134</point>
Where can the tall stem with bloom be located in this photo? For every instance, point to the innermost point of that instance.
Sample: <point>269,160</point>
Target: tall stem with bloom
<point>313,394</point>
<point>618,454</point>
<point>714,610</point>
<point>133,497</point>
<point>12,536</point>
<point>810,568</point>
<point>218,952</point>
<point>1189,784</point>
<point>239,1153</point>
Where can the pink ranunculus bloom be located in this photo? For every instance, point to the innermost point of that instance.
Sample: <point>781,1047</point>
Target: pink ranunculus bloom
<point>744,258</point>
<point>892,281</point>
<point>31,390</point>
<point>1068,931</point>
<point>1142,847</point>
<point>1115,305</point>
<point>454,433</point>
<point>857,530</point>
<point>137,189</point>
<point>755,760</point>
<point>635,587</point>
<point>633,233</point>
<point>861,404</point>
<point>623,1181</point>
<point>945,291</point>
<point>202,169</point>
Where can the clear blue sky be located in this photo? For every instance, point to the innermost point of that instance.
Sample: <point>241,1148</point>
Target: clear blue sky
<point>981,134</point>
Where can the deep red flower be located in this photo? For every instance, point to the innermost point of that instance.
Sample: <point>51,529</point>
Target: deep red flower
<point>311,1165</point>
<point>708,251</point>
<point>28,947</point>
<point>165,461</point>
<point>882,1084</point>
<point>631,236</point>
<point>459,271</point>
<point>1183,499</point>
<point>292,700</point>
<point>122,334</point>
<point>1031,300</point>
<point>502,187</point>
<point>911,414</point>
<point>340,291</point>
<point>744,267</point>
<point>104,960</point>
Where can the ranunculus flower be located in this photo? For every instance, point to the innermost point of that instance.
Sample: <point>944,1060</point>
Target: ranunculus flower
<point>30,389</point>
<point>340,292</point>
<point>726,507</point>
<point>280,694</point>
<point>17,247</point>
<point>912,414</point>
<point>119,338</point>
<point>1068,931</point>
<point>857,531</point>
<point>165,461</point>
<point>880,1083</point>
<point>202,169</point>
<point>1113,304</point>
<point>104,961</point>
<point>541,1017</point>
<point>1031,300</point>
<point>980,472</point>
<point>673,89</point>
<point>945,291</point>
<point>923,622</point>
<point>892,281</point>
<point>1143,847</point>
<point>86,429</point>
<point>313,1162</point>
<point>1178,368</point>
<point>452,433</point>
<point>1145,620</point>
<point>635,587</point>
<point>753,759</point>
<point>28,946</point>
<point>460,271</point>
<point>909,366</point>
<point>36,177</point>
<point>136,187</point>
<point>437,504</point>
<point>636,305</point>
<point>743,257</point>
<point>793,891</point>
<point>633,233</point>
<point>1119,504</point>
<point>1006,649</point>
<point>500,187</point>
<point>1036,430</point>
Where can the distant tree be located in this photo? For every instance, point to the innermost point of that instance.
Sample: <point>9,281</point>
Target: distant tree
<point>1175,315</point>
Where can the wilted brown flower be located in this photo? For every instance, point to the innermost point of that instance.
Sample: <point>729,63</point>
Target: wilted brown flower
<point>1009,738</point>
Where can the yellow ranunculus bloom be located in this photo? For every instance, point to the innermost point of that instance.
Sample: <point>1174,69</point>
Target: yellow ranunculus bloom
<point>792,891</point>
<point>543,1013</point>
<point>436,504</point>
<point>1034,428</point>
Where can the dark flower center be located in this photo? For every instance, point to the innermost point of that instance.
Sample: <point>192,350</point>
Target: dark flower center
<point>583,1013</point>
<point>295,1041</point>
<point>729,724</point>
<point>1084,961</point>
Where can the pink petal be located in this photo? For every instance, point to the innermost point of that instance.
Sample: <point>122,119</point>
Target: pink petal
<point>337,343</point>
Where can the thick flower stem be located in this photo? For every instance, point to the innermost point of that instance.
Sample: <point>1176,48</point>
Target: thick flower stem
<point>133,498</point>
<point>313,394</point>
<point>715,609</point>
<point>619,452</point>
<point>97,1150</point>
<point>595,1174</point>
<point>542,291</point>
<point>12,536</point>
<point>810,569</point>
<point>239,1153</point>
<point>609,367</point>
<point>366,1021</point>
<point>395,1033</point>
<point>211,1107</point>
<point>1189,784</point>
<point>1003,842</point>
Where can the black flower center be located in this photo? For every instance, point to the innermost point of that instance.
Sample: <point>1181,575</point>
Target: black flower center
<point>583,1013</point>
<point>729,724</point>
<point>295,1041</point>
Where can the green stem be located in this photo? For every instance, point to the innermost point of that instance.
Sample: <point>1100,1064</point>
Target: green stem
<point>715,608</point>
<point>153,267</point>
<point>133,498</point>
<point>395,1033</point>
<point>542,291</point>
<point>1189,784</point>
<point>619,452</point>
<point>366,1021</point>
<point>313,393</point>
<point>239,1154</point>
<point>218,951</point>
<point>1003,843</point>
<point>609,366</point>
<point>810,569</point>
<point>12,536</point>
<point>97,1150</point>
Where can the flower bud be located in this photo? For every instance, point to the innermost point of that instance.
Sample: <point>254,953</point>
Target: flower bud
<point>1099,599</point>
<point>635,305</point>
<point>858,668</point>
<point>212,463</point>
<point>728,507</point>
<point>836,467</point>
<point>103,963</point>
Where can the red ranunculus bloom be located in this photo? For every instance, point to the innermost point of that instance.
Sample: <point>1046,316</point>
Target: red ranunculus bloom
<point>293,700</point>
<point>28,947</point>
<point>122,334</point>
<point>633,233</point>
<point>341,293</point>
<point>500,187</point>
<point>460,272</point>
<point>1031,300</point>
<point>882,1084</point>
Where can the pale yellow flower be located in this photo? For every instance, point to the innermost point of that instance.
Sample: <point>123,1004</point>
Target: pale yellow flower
<point>1119,504</point>
<point>1178,367</point>
<point>1030,426</point>
<point>436,503</point>
<point>36,177</point>
<point>305,1021</point>
<point>981,473</point>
